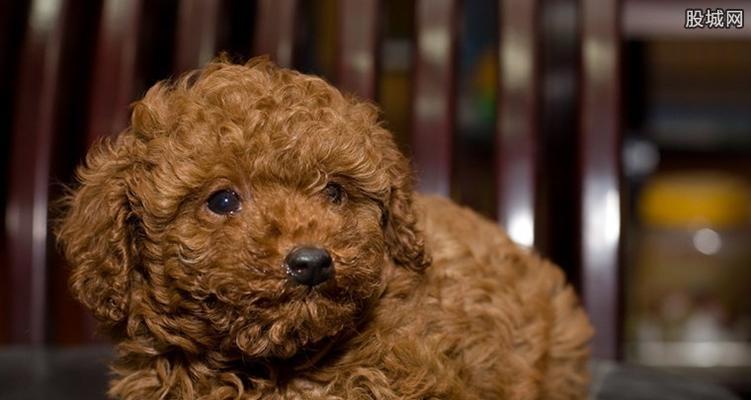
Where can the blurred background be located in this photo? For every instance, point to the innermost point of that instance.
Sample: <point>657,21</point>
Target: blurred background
<point>611,136</point>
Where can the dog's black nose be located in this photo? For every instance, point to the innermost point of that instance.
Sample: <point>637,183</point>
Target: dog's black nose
<point>309,265</point>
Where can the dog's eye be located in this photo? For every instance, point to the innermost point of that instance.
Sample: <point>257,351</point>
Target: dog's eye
<point>334,192</point>
<point>224,202</point>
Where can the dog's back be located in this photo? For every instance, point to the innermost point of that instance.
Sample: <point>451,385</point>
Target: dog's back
<point>507,314</point>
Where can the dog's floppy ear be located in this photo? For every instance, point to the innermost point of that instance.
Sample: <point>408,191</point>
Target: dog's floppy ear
<point>98,229</point>
<point>405,241</point>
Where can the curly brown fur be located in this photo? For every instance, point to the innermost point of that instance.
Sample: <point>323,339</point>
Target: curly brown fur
<point>428,300</point>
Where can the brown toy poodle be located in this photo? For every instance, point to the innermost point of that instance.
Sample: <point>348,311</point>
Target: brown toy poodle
<point>255,235</point>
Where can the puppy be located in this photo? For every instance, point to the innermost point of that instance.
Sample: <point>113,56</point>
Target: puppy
<point>254,234</point>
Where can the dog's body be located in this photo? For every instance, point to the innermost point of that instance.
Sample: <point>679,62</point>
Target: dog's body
<point>185,238</point>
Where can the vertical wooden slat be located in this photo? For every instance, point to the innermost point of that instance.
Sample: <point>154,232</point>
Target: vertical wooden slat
<point>12,23</point>
<point>557,218</point>
<point>517,129</point>
<point>358,39</point>
<point>26,210</point>
<point>433,119</point>
<point>325,29</point>
<point>275,32</point>
<point>196,37</point>
<point>114,74</point>
<point>600,196</point>
<point>114,68</point>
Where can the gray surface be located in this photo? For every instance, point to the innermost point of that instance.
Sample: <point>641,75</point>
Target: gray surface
<point>81,374</point>
<point>72,373</point>
<point>611,381</point>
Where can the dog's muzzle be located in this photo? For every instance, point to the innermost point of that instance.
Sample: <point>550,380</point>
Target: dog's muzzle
<point>309,266</point>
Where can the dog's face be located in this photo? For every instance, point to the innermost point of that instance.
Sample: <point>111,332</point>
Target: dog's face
<point>247,208</point>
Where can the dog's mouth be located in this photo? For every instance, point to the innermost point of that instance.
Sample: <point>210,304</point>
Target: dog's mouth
<point>307,318</point>
<point>283,317</point>
<point>328,290</point>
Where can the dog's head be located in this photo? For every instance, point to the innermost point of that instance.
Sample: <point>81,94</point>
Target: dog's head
<point>247,207</point>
